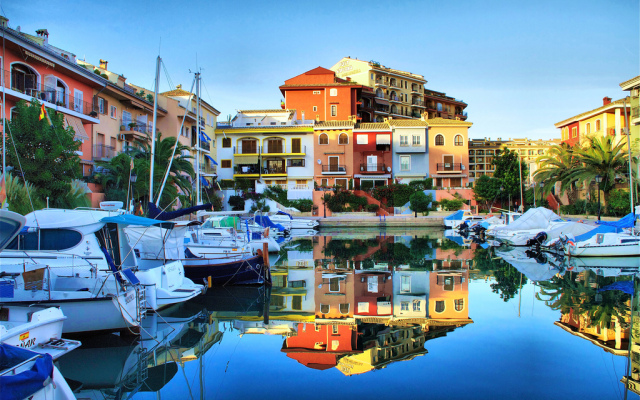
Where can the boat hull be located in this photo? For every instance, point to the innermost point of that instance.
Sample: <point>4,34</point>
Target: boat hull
<point>245,271</point>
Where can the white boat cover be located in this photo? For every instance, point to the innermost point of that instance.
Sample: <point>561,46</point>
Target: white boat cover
<point>533,270</point>
<point>534,218</point>
<point>150,241</point>
<point>570,229</point>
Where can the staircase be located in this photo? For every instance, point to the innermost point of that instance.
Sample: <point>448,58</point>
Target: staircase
<point>382,211</point>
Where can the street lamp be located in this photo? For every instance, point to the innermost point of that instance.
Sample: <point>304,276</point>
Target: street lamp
<point>533,186</point>
<point>541,191</point>
<point>598,180</point>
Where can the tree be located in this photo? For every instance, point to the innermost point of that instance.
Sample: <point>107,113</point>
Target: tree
<point>485,190</point>
<point>43,155</point>
<point>600,156</point>
<point>420,203</point>
<point>507,171</point>
<point>557,165</point>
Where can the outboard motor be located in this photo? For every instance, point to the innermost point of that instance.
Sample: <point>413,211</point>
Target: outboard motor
<point>540,257</point>
<point>537,241</point>
<point>463,227</point>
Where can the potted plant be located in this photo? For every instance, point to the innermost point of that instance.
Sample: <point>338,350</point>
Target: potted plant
<point>132,125</point>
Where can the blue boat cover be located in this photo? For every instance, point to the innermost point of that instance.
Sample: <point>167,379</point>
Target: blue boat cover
<point>159,215</point>
<point>23,385</point>
<point>456,215</point>
<point>593,232</point>
<point>623,286</point>
<point>625,222</point>
<point>266,222</point>
<point>129,219</point>
<point>280,212</point>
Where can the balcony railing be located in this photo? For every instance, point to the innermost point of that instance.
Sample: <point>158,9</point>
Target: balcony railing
<point>380,82</point>
<point>103,152</point>
<point>129,125</point>
<point>334,168</point>
<point>635,112</point>
<point>395,98</point>
<point>247,149</point>
<point>418,103</point>
<point>207,168</point>
<point>382,96</point>
<point>378,167</point>
<point>450,167</point>
<point>382,110</point>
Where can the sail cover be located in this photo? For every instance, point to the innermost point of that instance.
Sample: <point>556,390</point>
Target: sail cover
<point>156,213</point>
<point>625,222</point>
<point>22,385</point>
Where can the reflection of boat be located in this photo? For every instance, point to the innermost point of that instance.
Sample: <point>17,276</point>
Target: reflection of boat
<point>604,266</point>
<point>452,221</point>
<point>289,222</point>
<point>532,268</point>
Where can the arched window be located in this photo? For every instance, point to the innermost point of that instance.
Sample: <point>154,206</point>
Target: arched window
<point>323,138</point>
<point>459,304</point>
<point>439,306</point>
<point>343,138</point>
<point>439,140</point>
<point>458,140</point>
<point>597,125</point>
<point>588,127</point>
<point>24,78</point>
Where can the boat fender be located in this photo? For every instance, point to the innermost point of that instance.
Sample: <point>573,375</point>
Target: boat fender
<point>266,233</point>
<point>570,268</point>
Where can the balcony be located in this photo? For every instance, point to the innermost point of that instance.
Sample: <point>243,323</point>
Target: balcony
<point>381,83</point>
<point>381,110</point>
<point>247,149</point>
<point>334,169</point>
<point>103,152</point>
<point>281,150</point>
<point>415,89</point>
<point>446,167</point>
<point>207,169</point>
<point>417,103</point>
<point>246,170</point>
<point>135,130</point>
<point>395,99</point>
<point>373,168</point>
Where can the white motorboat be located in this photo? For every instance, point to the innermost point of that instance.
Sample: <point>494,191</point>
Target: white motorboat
<point>289,222</point>
<point>223,231</point>
<point>25,374</point>
<point>93,242</point>
<point>611,239</point>
<point>452,221</point>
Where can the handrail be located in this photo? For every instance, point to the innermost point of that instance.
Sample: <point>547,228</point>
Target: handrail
<point>15,367</point>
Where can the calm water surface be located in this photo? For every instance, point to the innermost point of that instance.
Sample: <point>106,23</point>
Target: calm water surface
<point>372,314</point>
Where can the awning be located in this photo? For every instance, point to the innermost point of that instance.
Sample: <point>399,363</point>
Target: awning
<point>383,139</point>
<point>76,125</point>
<point>211,159</point>
<point>246,159</point>
<point>128,219</point>
<point>450,175</point>
<point>388,176</point>
<point>204,181</point>
<point>380,100</point>
<point>205,135</point>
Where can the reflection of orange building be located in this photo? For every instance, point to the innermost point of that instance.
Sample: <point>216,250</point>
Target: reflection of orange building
<point>449,292</point>
<point>321,346</point>
<point>334,293</point>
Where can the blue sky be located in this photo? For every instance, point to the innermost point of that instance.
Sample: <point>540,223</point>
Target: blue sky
<point>520,66</point>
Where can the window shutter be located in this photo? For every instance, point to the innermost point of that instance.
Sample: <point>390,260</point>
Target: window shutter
<point>95,103</point>
<point>106,106</point>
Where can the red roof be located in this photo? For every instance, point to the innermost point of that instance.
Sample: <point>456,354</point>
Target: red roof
<point>319,361</point>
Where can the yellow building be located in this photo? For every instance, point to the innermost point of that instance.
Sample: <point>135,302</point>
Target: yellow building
<point>606,120</point>
<point>399,94</point>
<point>482,152</point>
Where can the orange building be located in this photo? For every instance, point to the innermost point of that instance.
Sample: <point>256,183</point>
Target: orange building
<point>449,289</point>
<point>448,152</point>
<point>318,94</point>
<point>333,153</point>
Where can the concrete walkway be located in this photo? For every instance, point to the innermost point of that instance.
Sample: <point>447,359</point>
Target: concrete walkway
<point>390,221</point>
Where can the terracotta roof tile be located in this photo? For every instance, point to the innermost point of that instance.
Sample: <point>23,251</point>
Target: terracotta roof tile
<point>272,111</point>
<point>335,124</point>
<point>176,92</point>
<point>373,126</point>
<point>407,122</point>
<point>444,121</point>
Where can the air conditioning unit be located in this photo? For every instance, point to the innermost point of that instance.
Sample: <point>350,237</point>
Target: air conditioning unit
<point>463,167</point>
<point>121,136</point>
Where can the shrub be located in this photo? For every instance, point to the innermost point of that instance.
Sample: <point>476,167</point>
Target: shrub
<point>366,185</point>
<point>304,205</point>
<point>451,205</point>
<point>344,200</point>
<point>618,203</point>
<point>236,203</point>
<point>373,207</point>
<point>260,205</point>
<point>396,195</point>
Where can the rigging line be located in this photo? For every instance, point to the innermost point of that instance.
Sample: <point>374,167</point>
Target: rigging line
<point>205,88</point>
<point>166,74</point>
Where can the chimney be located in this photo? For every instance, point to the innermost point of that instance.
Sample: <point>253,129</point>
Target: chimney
<point>303,117</point>
<point>348,79</point>
<point>4,22</point>
<point>44,34</point>
<point>606,100</point>
<point>103,63</point>
<point>179,86</point>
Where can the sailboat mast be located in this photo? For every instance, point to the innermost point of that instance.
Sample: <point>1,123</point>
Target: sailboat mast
<point>627,133</point>
<point>198,194</point>
<point>4,135</point>
<point>153,129</point>
<point>520,173</point>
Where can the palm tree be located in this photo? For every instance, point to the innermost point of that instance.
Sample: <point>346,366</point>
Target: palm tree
<point>600,156</point>
<point>557,166</point>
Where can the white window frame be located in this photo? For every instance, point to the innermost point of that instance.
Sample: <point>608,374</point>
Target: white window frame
<point>315,108</point>
<point>405,283</point>
<point>404,140</point>
<point>340,135</point>
<point>363,307</point>
<point>334,110</point>
<point>113,112</point>
<point>416,140</point>
<point>333,92</point>
<point>405,158</point>
<point>435,140</point>
<point>78,101</point>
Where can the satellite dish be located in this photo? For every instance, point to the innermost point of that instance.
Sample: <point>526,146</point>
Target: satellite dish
<point>319,161</point>
<point>388,169</point>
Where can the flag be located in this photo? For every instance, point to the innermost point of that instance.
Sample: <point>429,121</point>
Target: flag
<point>3,192</point>
<point>282,105</point>
<point>131,162</point>
<point>42,113</point>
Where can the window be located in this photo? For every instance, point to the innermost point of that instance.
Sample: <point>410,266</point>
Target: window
<point>343,138</point>
<point>404,306</point>
<point>439,140</point>
<point>405,283</point>
<point>324,182</point>
<point>334,284</point>
<point>344,308</point>
<point>126,118</point>
<point>324,308</point>
<point>459,304</point>
<point>597,125</point>
<point>225,164</point>
<point>363,307</point>
<point>405,163</point>
<point>334,328</point>
<point>315,108</point>
<point>316,92</point>
<point>226,142</point>
<point>78,103</point>
<point>50,239</point>
<point>114,112</point>
<point>416,140</point>
<point>362,139</point>
<point>439,306</point>
<point>323,138</point>
<point>334,110</point>
<point>404,140</point>
<point>249,146</point>
<point>372,76</point>
<point>458,140</point>
<point>416,305</point>
<point>102,105</point>
<point>588,127</point>
<point>275,146</point>
<point>296,303</point>
<point>574,132</point>
<point>295,145</point>
<point>333,92</point>
<point>295,162</point>
<point>341,182</point>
